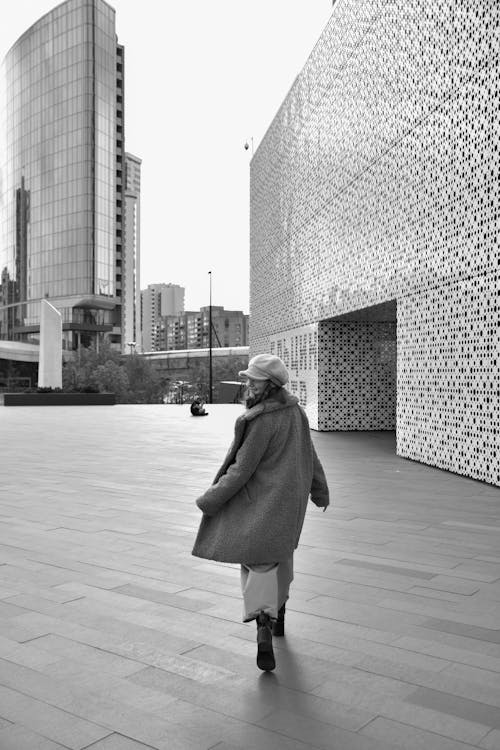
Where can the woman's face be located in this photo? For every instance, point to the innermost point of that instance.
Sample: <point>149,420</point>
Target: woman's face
<point>256,387</point>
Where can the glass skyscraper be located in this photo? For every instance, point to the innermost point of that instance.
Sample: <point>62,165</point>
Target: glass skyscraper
<point>61,176</point>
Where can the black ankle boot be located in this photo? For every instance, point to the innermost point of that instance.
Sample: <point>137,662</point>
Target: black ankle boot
<point>279,624</point>
<point>265,653</point>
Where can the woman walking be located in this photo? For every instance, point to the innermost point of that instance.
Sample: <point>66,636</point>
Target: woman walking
<point>254,511</point>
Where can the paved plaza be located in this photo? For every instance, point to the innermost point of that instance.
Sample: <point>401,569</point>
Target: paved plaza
<point>113,637</point>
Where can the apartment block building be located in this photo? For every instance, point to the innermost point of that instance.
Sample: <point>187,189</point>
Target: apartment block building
<point>190,330</point>
<point>158,301</point>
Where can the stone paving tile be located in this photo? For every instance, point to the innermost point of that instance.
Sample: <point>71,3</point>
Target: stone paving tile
<point>62,710</point>
<point>230,699</point>
<point>313,736</point>
<point>49,721</point>
<point>482,676</point>
<point>102,684</point>
<point>464,612</point>
<point>491,741</point>
<point>406,737</point>
<point>124,639</point>
<point>161,597</point>
<point>367,693</point>
<point>449,653</point>
<point>392,636</point>
<point>66,648</point>
<point>446,703</point>
<point>24,654</point>
<point>9,609</point>
<point>319,734</point>
<point>14,630</point>
<point>411,573</point>
<point>291,695</point>
<point>440,595</point>
<point>379,617</point>
<point>460,628</point>
<point>17,737</point>
<point>297,671</point>
<point>464,642</point>
<point>295,645</point>
<point>118,742</point>
<point>5,593</point>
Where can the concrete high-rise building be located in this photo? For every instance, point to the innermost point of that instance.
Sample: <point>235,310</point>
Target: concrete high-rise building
<point>157,301</point>
<point>61,198</point>
<point>131,255</point>
<point>189,330</point>
<point>374,231</point>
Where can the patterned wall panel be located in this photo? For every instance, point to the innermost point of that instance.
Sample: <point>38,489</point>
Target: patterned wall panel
<point>357,376</point>
<point>298,349</point>
<point>448,394</point>
<point>378,180</point>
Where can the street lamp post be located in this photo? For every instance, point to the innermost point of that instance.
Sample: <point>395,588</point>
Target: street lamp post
<point>210,385</point>
<point>132,345</point>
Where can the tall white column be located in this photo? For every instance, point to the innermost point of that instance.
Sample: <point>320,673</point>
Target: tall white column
<point>50,364</point>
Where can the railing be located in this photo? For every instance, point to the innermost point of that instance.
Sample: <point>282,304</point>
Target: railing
<point>14,384</point>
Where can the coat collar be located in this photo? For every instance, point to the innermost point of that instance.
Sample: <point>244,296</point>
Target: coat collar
<point>285,401</point>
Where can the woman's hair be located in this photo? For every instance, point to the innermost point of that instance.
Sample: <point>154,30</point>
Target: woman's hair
<point>270,391</point>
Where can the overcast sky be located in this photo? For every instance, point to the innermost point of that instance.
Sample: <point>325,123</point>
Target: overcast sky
<point>201,78</point>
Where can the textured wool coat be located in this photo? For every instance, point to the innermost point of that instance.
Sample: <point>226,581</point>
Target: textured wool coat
<point>254,511</point>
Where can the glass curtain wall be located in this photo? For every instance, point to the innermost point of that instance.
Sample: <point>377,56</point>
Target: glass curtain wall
<point>57,187</point>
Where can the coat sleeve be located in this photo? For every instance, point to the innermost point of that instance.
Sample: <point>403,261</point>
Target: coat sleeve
<point>248,456</point>
<point>319,487</point>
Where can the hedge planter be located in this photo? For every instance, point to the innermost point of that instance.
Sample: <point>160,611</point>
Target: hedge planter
<point>59,399</point>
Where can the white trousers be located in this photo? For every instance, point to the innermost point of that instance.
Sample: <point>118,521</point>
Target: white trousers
<point>265,588</point>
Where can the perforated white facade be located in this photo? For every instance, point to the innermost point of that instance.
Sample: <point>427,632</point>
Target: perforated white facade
<point>374,227</point>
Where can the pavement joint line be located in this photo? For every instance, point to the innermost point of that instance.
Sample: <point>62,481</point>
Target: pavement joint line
<point>94,744</point>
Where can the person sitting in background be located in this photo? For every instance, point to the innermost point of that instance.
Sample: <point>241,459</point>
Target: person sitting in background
<point>198,408</point>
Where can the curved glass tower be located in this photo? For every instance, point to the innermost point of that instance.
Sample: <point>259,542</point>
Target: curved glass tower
<point>60,188</point>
